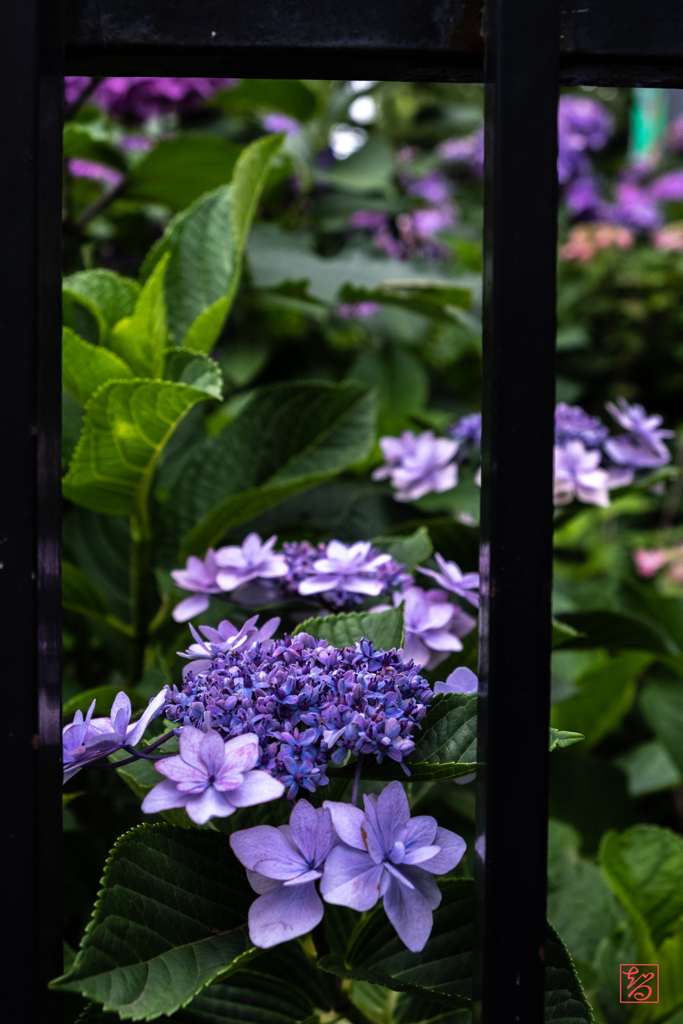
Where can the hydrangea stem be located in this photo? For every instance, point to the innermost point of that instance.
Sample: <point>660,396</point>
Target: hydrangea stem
<point>356,780</point>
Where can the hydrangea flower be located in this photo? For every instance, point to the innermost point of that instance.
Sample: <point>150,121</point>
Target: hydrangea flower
<point>467,430</point>
<point>452,578</point>
<point>418,465</point>
<point>577,474</point>
<point>226,638</point>
<point>359,570</point>
<point>198,575</point>
<point>283,865</point>
<point>582,124</point>
<point>306,702</point>
<point>281,123</point>
<point>139,98</point>
<point>433,625</point>
<point>642,447</point>
<point>253,559</point>
<point>668,188</point>
<point>211,778</point>
<point>585,240</point>
<point>81,168</point>
<point>357,310</point>
<point>74,87</point>
<point>461,680</point>
<point>87,740</point>
<point>572,423</point>
<point>385,853</point>
<point>469,150</point>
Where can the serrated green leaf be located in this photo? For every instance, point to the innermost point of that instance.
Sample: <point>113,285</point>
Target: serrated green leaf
<point>288,439</point>
<point>442,972</point>
<point>125,428</point>
<point>141,338</point>
<point>606,695</point>
<point>205,243</point>
<point>604,628</point>
<point>178,171</point>
<point>86,367</point>
<point>384,629</point>
<point>108,295</point>
<point>409,550</point>
<point>194,368</point>
<point>169,920</point>
<point>559,739</point>
<point>649,768</point>
<point>72,421</point>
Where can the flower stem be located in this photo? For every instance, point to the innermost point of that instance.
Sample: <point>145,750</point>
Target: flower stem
<point>137,755</point>
<point>356,780</point>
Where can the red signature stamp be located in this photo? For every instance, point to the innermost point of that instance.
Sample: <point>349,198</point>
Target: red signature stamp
<point>639,983</point>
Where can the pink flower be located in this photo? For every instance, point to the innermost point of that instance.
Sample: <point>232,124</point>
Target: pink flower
<point>649,561</point>
<point>81,168</point>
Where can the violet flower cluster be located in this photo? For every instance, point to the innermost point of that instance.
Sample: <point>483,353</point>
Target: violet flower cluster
<point>418,464</point>
<point>338,575</point>
<point>307,703</point>
<point>357,856</point>
<point>140,98</point>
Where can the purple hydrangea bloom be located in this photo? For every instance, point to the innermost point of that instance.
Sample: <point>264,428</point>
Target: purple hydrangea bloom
<point>369,220</point>
<point>226,638</point>
<point>198,575</point>
<point>635,208</point>
<point>433,626</point>
<point>434,187</point>
<point>578,474</point>
<point>468,150</point>
<point>86,740</point>
<point>211,778</point>
<point>418,465</point>
<point>461,680</point>
<point>365,565</point>
<point>582,124</point>
<point>668,188</point>
<point>642,447</point>
<point>140,98</point>
<point>572,423</point>
<point>252,560</point>
<point>81,168</point>
<point>467,430</point>
<point>306,701</point>
<point>74,87</point>
<point>427,222</point>
<point>452,578</point>
<point>386,853</point>
<point>584,198</point>
<point>281,123</point>
<point>283,865</point>
<point>357,310</point>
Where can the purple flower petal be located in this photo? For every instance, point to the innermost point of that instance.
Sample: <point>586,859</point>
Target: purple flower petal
<point>258,787</point>
<point>163,797</point>
<point>284,913</point>
<point>410,914</point>
<point>393,812</point>
<point>265,849</point>
<point>351,879</point>
<point>452,849</point>
<point>191,606</point>
<point>347,821</point>
<point>210,804</point>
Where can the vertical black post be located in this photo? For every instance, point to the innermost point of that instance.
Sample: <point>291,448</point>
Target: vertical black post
<point>30,502</point>
<point>522,42</point>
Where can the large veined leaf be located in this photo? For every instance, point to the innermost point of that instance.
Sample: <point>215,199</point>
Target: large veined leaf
<point>408,550</point>
<point>439,302</point>
<point>384,629</point>
<point>178,171</point>
<point>205,243</point>
<point>141,338</point>
<point>125,428</point>
<point>288,439</point>
<point>606,694</point>
<point>107,295</point>
<point>170,919</point>
<point>86,367</point>
<point>661,702</point>
<point>193,368</point>
<point>649,768</point>
<point>442,972</point>
<point>286,94</point>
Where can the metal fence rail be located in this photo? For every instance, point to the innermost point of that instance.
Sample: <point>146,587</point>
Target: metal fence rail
<point>527,41</point>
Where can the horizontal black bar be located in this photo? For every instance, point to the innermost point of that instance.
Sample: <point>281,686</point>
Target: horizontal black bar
<point>602,42</point>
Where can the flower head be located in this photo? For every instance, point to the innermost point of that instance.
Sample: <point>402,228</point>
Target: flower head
<point>385,853</point>
<point>211,778</point>
<point>140,98</point>
<point>452,578</point>
<point>87,740</point>
<point>341,575</point>
<point>642,447</point>
<point>582,124</point>
<point>469,150</point>
<point>577,474</point>
<point>74,87</point>
<point>281,123</point>
<point>253,559</point>
<point>433,625</point>
<point>467,430</point>
<point>198,575</point>
<point>81,168</point>
<point>226,638</point>
<point>573,423</point>
<point>461,680</point>
<point>418,465</point>
<point>283,865</point>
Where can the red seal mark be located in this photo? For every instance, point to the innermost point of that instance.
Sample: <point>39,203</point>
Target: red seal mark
<point>639,983</point>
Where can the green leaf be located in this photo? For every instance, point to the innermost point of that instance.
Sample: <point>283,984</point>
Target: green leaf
<point>109,297</point>
<point>288,439</point>
<point>606,695</point>
<point>79,141</point>
<point>563,633</point>
<point>286,94</point>
<point>369,169</point>
<point>440,302</point>
<point>661,702</point>
<point>104,695</point>
<point>100,545</point>
<point>141,338</point>
<point>383,629</point>
<point>205,243</point>
<point>442,972</point>
<point>170,919</point>
<point>401,381</point>
<point>126,425</point>
<point>194,368</point>
<point>178,171</point>
<point>85,367</point>
<point>649,768</point>
<point>408,551</point>
<point>559,739</point>
<point>79,594</point>
<point>72,421</point>
<point>644,868</point>
<point>603,628</point>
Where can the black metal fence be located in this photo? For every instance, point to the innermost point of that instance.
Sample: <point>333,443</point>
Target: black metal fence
<point>522,49</point>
